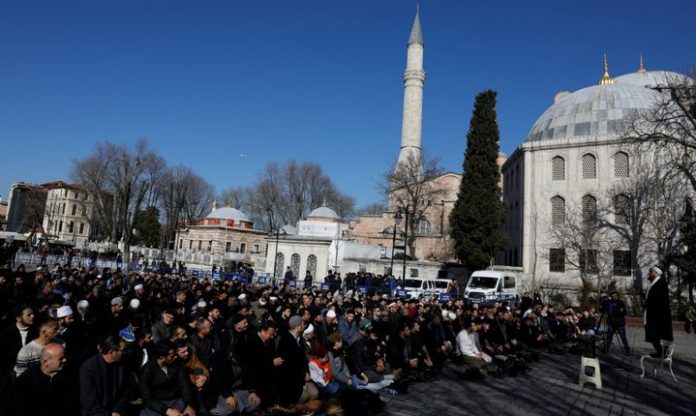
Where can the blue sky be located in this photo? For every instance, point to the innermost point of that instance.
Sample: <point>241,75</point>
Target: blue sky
<point>316,80</point>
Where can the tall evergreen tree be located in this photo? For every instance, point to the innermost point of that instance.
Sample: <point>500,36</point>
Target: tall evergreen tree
<point>687,261</point>
<point>477,218</point>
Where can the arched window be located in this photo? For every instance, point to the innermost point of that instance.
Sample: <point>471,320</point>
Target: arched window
<point>423,227</point>
<point>589,167</point>
<point>312,265</point>
<point>295,264</point>
<point>279,265</point>
<point>621,165</point>
<point>557,211</point>
<point>558,169</point>
<point>622,209</point>
<point>589,208</point>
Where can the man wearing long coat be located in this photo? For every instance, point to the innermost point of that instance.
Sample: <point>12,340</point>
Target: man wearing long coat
<point>658,316</point>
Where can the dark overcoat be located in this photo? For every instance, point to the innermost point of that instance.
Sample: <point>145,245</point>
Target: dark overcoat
<point>658,316</point>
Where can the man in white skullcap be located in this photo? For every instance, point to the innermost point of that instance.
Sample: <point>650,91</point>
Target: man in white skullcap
<point>658,316</point>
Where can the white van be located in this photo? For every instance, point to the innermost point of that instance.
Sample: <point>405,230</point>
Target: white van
<point>417,287</point>
<point>489,285</point>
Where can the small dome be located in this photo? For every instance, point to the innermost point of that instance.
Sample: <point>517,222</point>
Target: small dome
<point>229,213</point>
<point>323,212</point>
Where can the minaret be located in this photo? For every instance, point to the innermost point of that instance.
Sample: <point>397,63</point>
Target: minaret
<point>414,77</point>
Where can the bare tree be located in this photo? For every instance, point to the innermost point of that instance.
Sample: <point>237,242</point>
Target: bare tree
<point>121,180</point>
<point>375,208</point>
<point>583,247</point>
<point>411,187</point>
<point>289,191</point>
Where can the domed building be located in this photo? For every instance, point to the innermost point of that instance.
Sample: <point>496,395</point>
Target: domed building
<point>225,238</point>
<point>573,160</point>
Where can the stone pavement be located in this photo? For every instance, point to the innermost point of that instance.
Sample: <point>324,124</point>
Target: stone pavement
<point>551,388</point>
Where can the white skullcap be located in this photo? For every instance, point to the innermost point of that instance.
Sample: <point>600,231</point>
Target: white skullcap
<point>309,330</point>
<point>83,304</point>
<point>201,304</point>
<point>452,316</point>
<point>134,303</point>
<point>273,298</point>
<point>242,296</point>
<point>331,313</point>
<point>391,304</point>
<point>139,286</point>
<point>444,313</point>
<point>64,311</point>
<point>656,270</point>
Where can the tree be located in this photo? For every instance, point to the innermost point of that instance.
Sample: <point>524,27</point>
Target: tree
<point>411,188</point>
<point>687,260</point>
<point>121,180</point>
<point>477,217</point>
<point>670,127</point>
<point>581,244</point>
<point>185,198</point>
<point>147,228</point>
<point>375,208</point>
<point>290,191</point>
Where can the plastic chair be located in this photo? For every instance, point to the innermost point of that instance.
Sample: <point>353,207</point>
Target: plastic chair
<point>667,353</point>
<point>596,376</point>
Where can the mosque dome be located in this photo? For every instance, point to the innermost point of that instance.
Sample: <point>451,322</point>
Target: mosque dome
<point>323,212</point>
<point>229,213</point>
<point>601,111</point>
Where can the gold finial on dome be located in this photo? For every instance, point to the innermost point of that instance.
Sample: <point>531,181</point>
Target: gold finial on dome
<point>641,66</point>
<point>606,79</point>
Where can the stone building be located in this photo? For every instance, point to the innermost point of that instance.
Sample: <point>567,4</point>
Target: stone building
<point>225,238</point>
<point>574,159</point>
<point>69,213</point>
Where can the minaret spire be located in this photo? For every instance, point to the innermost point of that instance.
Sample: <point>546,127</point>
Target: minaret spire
<point>641,66</point>
<point>606,79</point>
<point>414,78</point>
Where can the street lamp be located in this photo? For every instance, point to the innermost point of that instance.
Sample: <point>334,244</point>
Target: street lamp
<point>403,272</point>
<point>397,221</point>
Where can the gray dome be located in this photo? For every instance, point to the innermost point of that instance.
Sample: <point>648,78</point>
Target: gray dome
<point>229,213</point>
<point>597,111</point>
<point>651,78</point>
<point>323,212</point>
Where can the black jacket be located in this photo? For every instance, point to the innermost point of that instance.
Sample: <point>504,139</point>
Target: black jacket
<point>258,371</point>
<point>100,396</point>
<point>156,386</point>
<point>658,316</point>
<point>38,394</point>
<point>291,375</point>
<point>11,344</point>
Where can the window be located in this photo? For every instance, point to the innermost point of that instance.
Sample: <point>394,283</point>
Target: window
<point>588,261</point>
<point>557,169</point>
<point>413,272</point>
<point>622,263</point>
<point>557,260</point>
<point>557,211</point>
<point>200,244</point>
<point>62,208</point>
<point>423,227</point>
<point>509,282</point>
<point>312,264</point>
<point>84,211</point>
<point>589,167</point>
<point>71,227</point>
<point>242,248</point>
<point>181,243</point>
<point>60,226</point>
<point>295,264</point>
<point>621,165</point>
<point>82,228</point>
<point>228,247</point>
<point>74,209</point>
<point>622,209</point>
<point>190,244</point>
<point>210,245</point>
<point>256,249</point>
<point>589,208</point>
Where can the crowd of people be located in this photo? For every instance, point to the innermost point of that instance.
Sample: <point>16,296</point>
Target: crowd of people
<point>107,342</point>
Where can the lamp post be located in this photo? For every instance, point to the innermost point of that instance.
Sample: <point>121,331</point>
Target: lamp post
<point>397,220</point>
<point>403,272</point>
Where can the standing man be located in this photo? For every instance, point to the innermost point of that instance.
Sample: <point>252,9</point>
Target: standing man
<point>616,321</point>
<point>658,317</point>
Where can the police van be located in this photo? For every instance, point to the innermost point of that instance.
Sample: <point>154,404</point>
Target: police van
<point>417,287</point>
<point>487,286</point>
